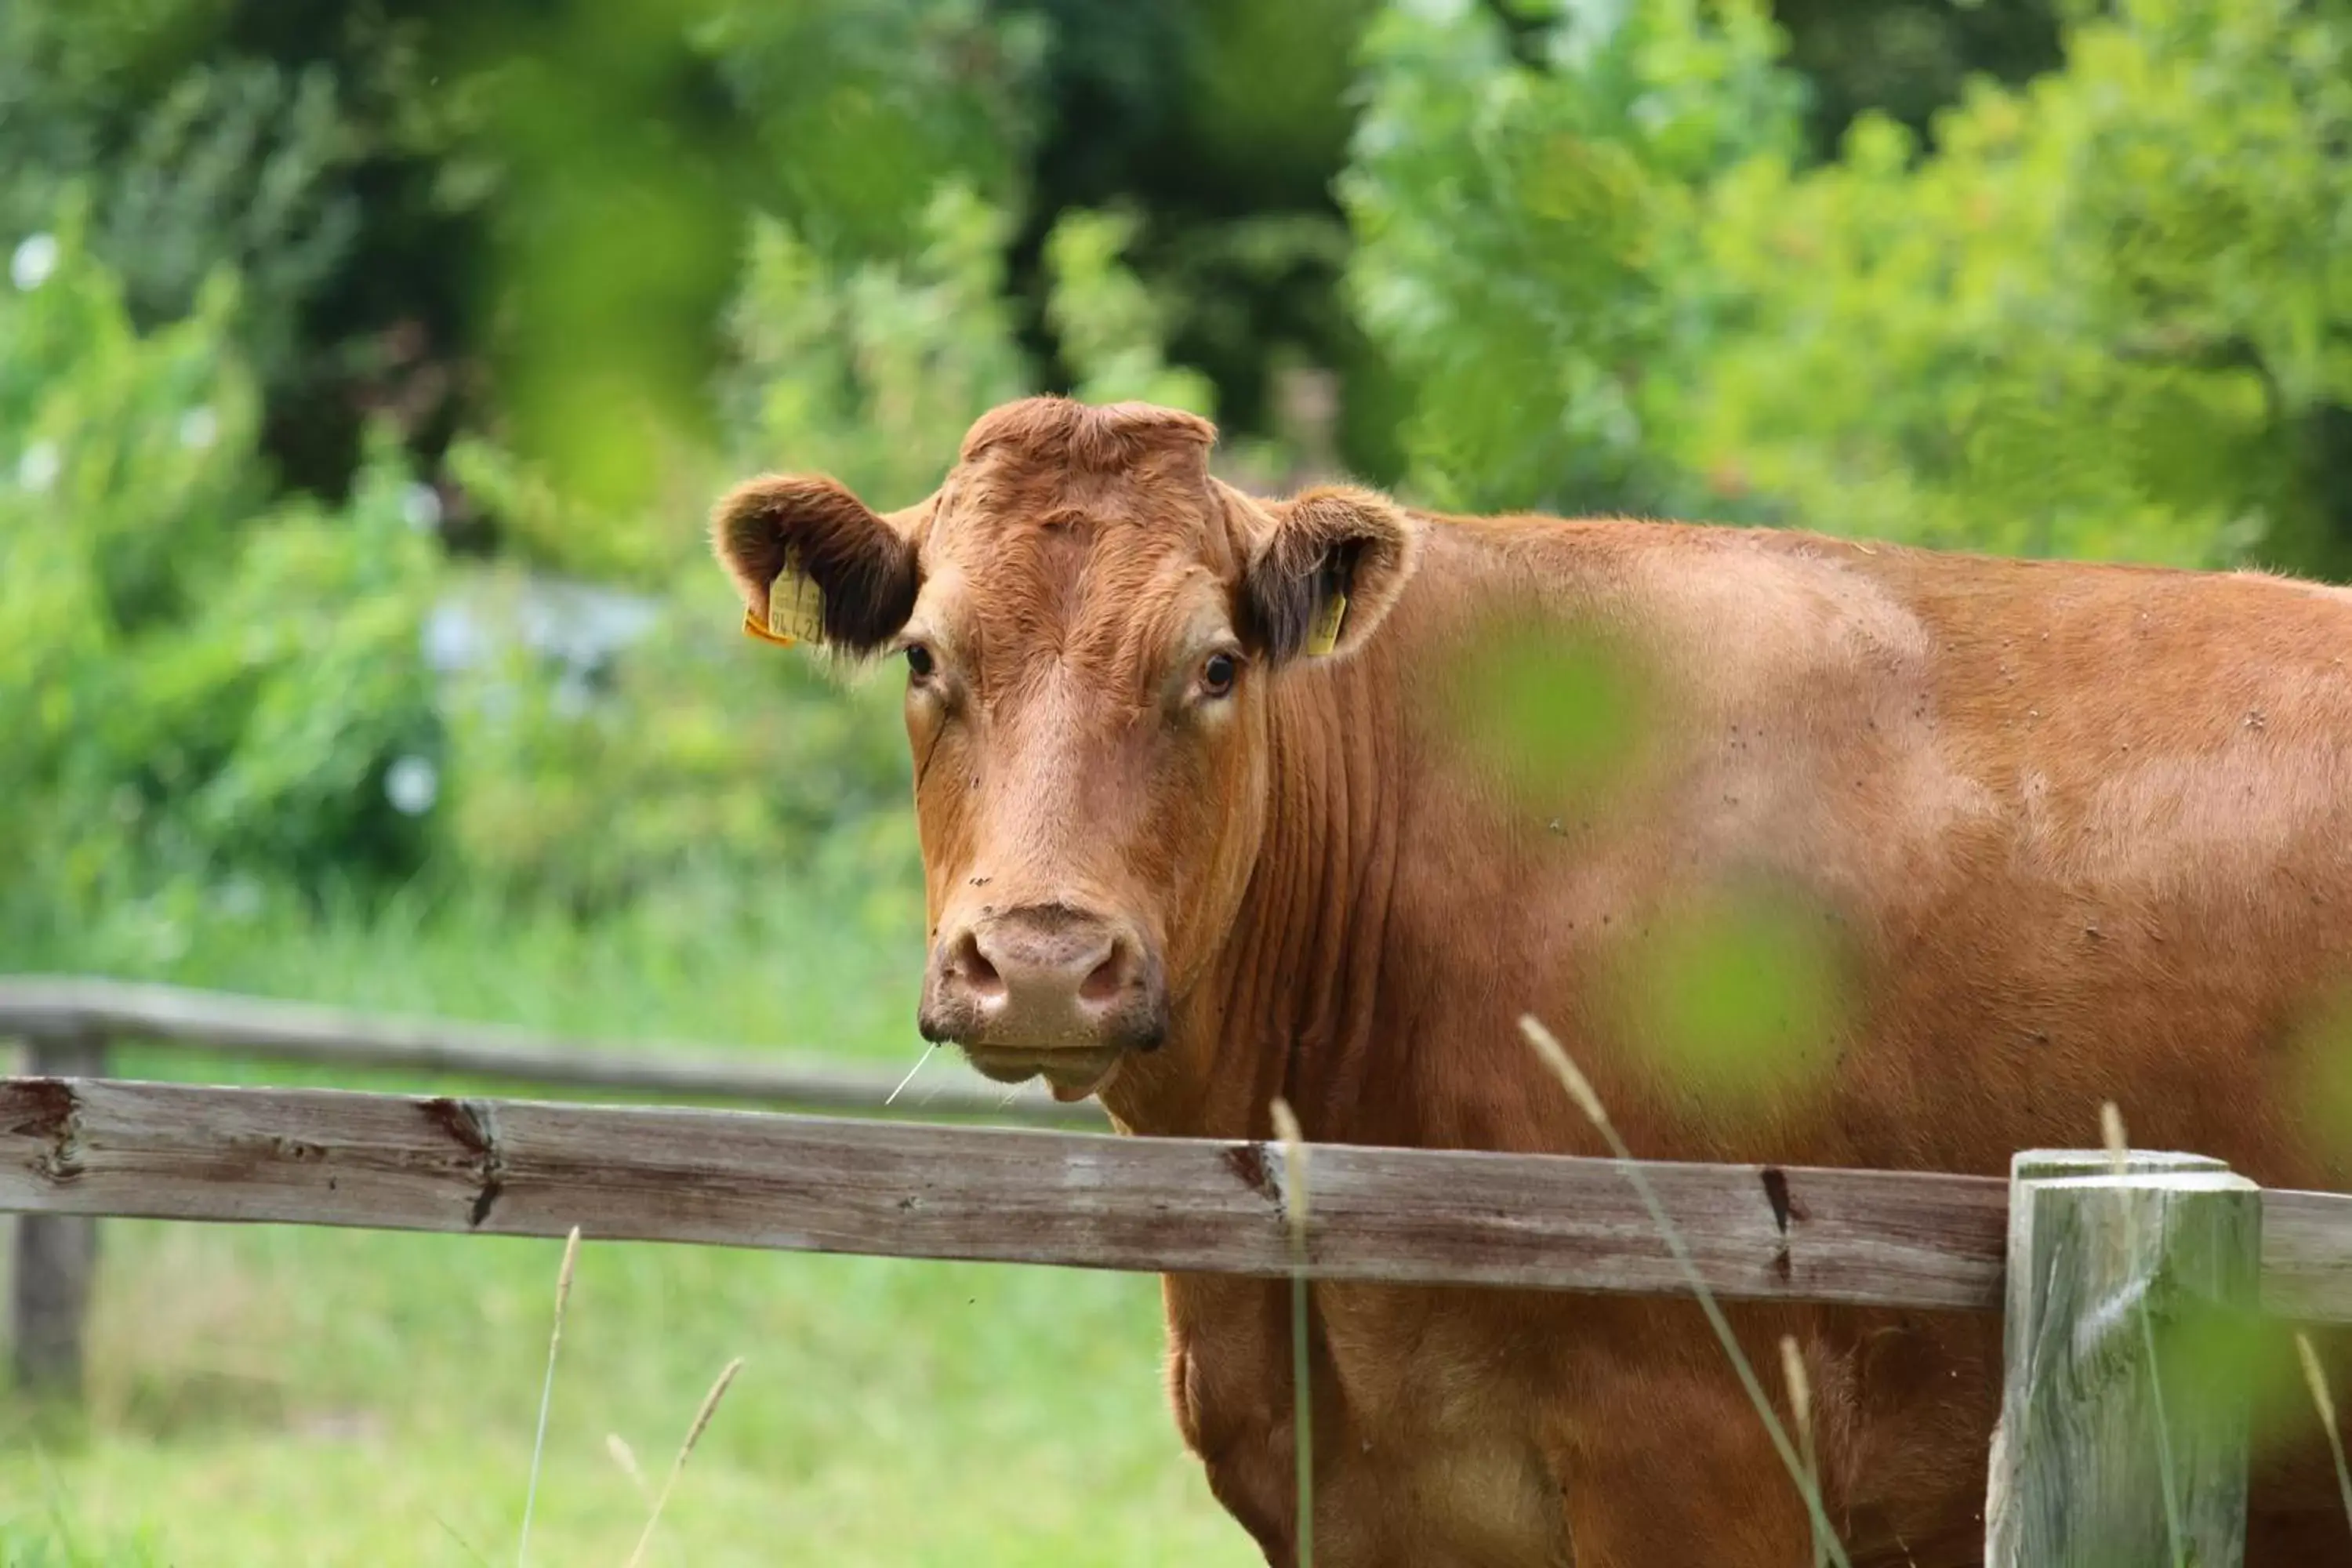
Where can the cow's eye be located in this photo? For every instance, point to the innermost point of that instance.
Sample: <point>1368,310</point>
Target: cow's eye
<point>1217,675</point>
<point>919,663</point>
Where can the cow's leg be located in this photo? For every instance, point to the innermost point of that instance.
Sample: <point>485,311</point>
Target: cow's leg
<point>1229,1384</point>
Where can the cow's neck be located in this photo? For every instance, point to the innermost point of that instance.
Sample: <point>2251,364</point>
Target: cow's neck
<point>1288,1005</point>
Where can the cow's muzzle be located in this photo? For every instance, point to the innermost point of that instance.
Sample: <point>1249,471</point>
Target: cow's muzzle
<point>1046,989</point>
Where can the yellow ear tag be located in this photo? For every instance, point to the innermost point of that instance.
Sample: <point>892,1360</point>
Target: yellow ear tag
<point>757,630</point>
<point>795,613</point>
<point>1324,635</point>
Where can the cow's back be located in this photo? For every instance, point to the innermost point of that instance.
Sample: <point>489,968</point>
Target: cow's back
<point>2069,833</point>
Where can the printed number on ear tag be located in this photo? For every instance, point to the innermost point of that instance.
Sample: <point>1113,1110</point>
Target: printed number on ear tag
<point>1324,635</point>
<point>795,613</point>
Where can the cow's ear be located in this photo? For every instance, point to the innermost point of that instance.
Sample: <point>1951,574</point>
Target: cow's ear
<point>1327,571</point>
<point>815,563</point>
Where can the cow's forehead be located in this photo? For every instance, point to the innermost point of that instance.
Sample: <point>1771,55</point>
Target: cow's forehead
<point>1133,476</point>
<point>1021,511</point>
<point>1120,586</point>
<point>1114,576</point>
<point>1069,530</point>
<point>997,506</point>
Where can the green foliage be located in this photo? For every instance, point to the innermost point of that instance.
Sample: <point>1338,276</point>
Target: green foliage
<point>2110,314</point>
<point>696,759</point>
<point>617,227</point>
<point>1909,60</point>
<point>194,159</point>
<point>1528,235</point>
<point>196,681</point>
<point>1110,329</point>
<point>220,684</point>
<point>415,192</point>
<point>241,166</point>
<point>2098,322</point>
<point>2105,314</point>
<point>861,113</point>
<point>872,372</point>
<point>302,672</point>
<point>693,754</point>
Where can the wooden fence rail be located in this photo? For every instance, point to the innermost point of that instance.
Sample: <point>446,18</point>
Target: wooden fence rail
<point>80,1015</point>
<point>506,1167</point>
<point>509,1167</point>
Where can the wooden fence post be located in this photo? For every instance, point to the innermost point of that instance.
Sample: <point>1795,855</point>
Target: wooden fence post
<point>55,1254</point>
<point>2123,1433</point>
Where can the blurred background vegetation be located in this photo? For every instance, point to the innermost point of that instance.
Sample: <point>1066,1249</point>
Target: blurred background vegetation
<point>366,370</point>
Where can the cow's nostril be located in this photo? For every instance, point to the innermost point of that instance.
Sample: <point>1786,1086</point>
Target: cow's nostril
<point>1107,979</point>
<point>970,969</point>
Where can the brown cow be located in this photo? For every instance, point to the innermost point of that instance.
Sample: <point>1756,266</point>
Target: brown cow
<point>2064,832</point>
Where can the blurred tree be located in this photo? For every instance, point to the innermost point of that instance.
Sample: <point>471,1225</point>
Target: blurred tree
<point>1217,126</point>
<point>1108,323</point>
<point>587,259</point>
<point>420,191</point>
<point>296,145</point>
<point>2110,314</point>
<point>1907,59</point>
<point>550,187</point>
<point>198,681</point>
<point>1529,235</point>
<point>638,133</point>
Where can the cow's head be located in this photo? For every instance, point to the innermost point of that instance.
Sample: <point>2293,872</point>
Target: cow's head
<point>1091,627</point>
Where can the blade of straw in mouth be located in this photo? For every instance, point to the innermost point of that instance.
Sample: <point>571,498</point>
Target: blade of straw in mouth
<point>892,1098</point>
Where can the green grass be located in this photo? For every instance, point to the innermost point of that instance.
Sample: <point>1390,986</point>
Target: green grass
<point>283,1396</point>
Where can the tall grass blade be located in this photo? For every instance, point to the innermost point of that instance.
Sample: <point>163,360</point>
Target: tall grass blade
<point>1555,1057</point>
<point>1302,1410</point>
<point>2316,1379</point>
<point>547,1391</point>
<point>1801,1408</point>
<point>685,1451</point>
<point>627,1457</point>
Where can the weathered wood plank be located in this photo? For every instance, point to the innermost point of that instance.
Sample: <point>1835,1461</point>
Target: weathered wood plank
<point>2307,1256</point>
<point>2125,1413</point>
<point>1024,1195</point>
<point>54,1261</point>
<point>739,1178</point>
<point>40,1007</point>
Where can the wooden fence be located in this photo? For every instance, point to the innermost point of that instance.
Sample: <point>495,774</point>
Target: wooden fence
<point>2074,1471</point>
